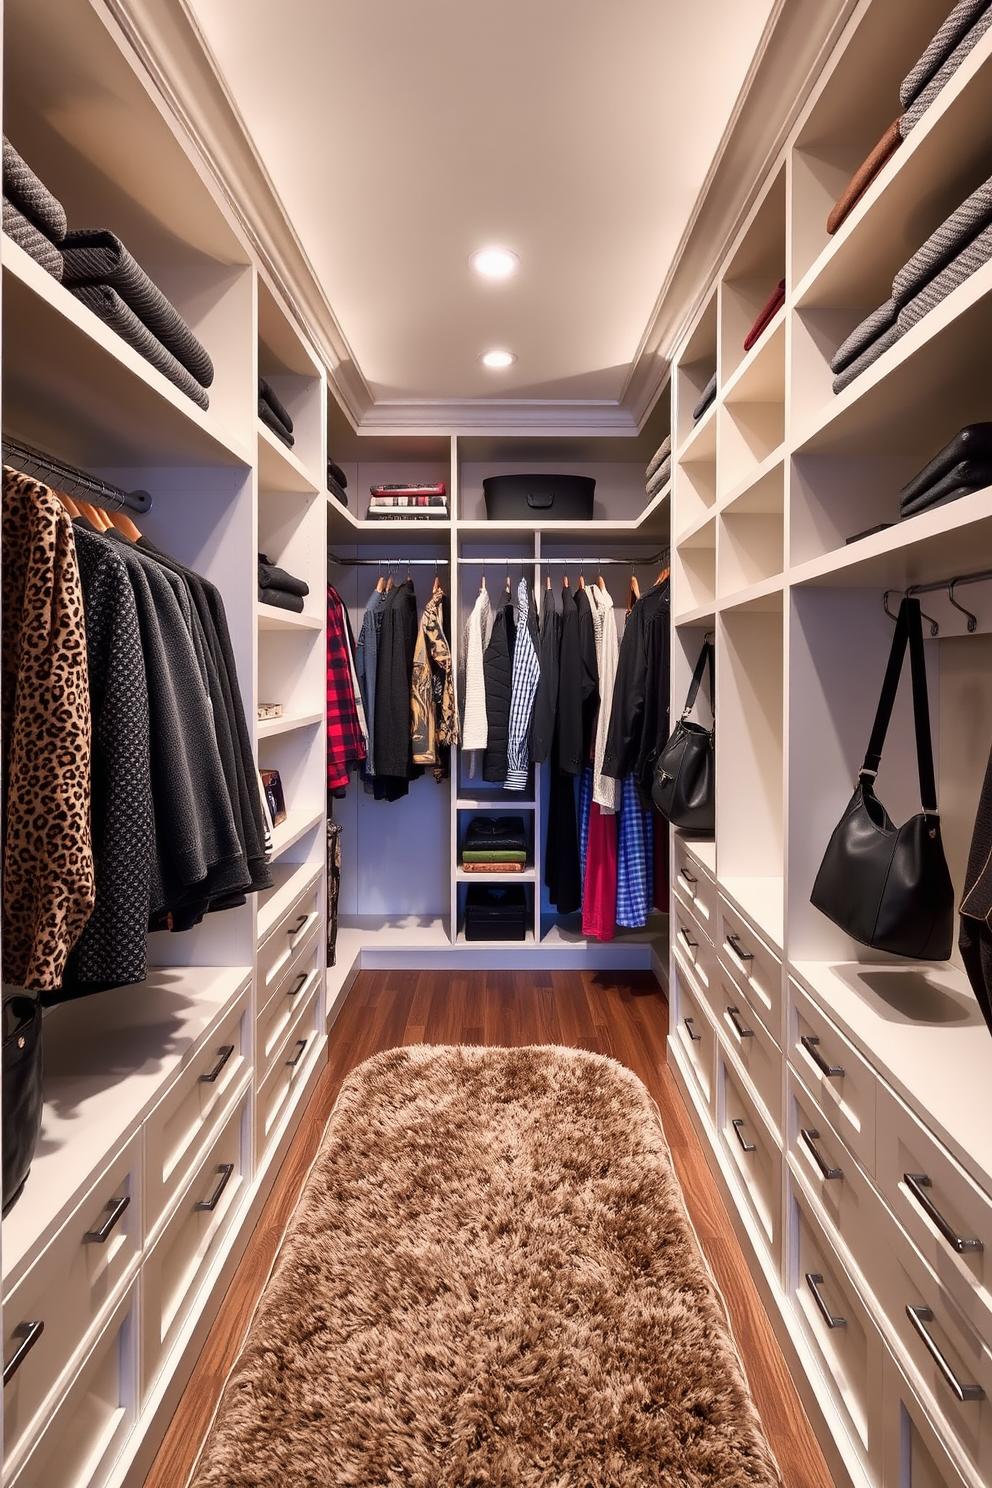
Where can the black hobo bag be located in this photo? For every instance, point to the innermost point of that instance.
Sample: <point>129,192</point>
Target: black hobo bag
<point>888,886</point>
<point>22,1094</point>
<point>682,787</point>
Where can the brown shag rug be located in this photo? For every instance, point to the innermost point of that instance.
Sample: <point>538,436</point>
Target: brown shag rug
<point>490,1279</point>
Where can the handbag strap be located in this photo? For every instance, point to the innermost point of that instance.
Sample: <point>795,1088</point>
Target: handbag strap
<point>705,655</point>
<point>909,629</point>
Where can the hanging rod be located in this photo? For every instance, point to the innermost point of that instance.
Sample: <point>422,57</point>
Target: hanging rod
<point>384,562</point>
<point>643,560</point>
<point>68,479</point>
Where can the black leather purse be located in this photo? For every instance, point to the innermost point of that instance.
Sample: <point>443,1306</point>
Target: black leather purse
<point>888,886</point>
<point>683,784</point>
<point>22,1093</point>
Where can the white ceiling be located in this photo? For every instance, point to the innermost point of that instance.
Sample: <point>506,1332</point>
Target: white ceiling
<point>401,135</point>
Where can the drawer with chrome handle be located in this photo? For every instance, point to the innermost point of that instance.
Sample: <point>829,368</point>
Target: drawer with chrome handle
<point>288,1071</point>
<point>914,1451</point>
<point>755,968</point>
<point>300,981</point>
<point>842,1083</point>
<point>693,884</point>
<point>946,1214</point>
<point>192,1110</point>
<point>692,945</point>
<point>693,1033</point>
<point>847,1205</point>
<point>60,1301</point>
<point>753,1152</point>
<point>280,946</point>
<point>751,1047</point>
<point>172,1272</point>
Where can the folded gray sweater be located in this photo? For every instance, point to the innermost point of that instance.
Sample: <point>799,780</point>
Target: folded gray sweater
<point>31,196</point>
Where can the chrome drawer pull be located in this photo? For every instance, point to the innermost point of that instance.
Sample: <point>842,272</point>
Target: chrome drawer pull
<point>225,1170</point>
<point>697,1038</point>
<point>916,1183</point>
<point>102,1235</point>
<point>814,1281</point>
<point>737,1122</point>
<point>742,1032</point>
<point>301,982</point>
<point>919,1316</point>
<point>692,944</point>
<point>300,1047</point>
<point>684,873</point>
<point>29,1333</point>
<point>809,1042</point>
<point>810,1136</point>
<point>734,944</point>
<point>301,921</point>
<point>225,1053</point>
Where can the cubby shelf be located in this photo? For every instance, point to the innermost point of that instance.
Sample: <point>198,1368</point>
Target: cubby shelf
<point>296,825</point>
<point>266,728</point>
<point>270,618</point>
<point>279,469</point>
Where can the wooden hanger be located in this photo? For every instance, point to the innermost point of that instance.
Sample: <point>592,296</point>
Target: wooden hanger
<point>380,584</point>
<point>633,592</point>
<point>582,581</point>
<point>123,524</point>
<point>71,508</point>
<point>600,581</point>
<point>662,577</point>
<point>91,515</point>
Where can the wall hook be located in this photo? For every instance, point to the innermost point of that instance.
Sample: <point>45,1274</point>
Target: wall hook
<point>972,619</point>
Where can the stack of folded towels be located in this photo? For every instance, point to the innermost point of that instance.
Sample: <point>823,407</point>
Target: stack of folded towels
<point>659,472</point>
<point>273,414</point>
<point>958,248</point>
<point>705,399</point>
<point>495,844</point>
<point>337,481</point>
<point>31,214</point>
<point>768,312</point>
<point>955,39</point>
<point>964,465</point>
<point>404,501</point>
<point>279,588</point>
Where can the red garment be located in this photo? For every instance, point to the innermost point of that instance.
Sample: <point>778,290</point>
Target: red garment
<point>599,899</point>
<point>345,745</point>
<point>771,308</point>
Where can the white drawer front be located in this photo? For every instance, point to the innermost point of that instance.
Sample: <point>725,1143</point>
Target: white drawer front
<point>77,1276</point>
<point>751,1046</point>
<point>88,1431</point>
<point>694,1033</point>
<point>279,948</point>
<point>848,1206</point>
<point>693,944</point>
<point>753,1151</point>
<point>291,1064</point>
<point>947,1216</point>
<point>187,1116</point>
<point>693,885</point>
<point>837,1326</point>
<point>844,1084</point>
<point>300,980</point>
<point>172,1271</point>
<point>913,1453</point>
<point>755,969</point>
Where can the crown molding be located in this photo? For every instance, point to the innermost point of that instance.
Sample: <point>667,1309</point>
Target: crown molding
<point>799,36</point>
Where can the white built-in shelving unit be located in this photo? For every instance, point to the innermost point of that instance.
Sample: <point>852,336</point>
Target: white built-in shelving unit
<point>818,1073</point>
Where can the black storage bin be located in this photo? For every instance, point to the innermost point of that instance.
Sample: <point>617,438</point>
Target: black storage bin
<point>495,912</point>
<point>549,498</point>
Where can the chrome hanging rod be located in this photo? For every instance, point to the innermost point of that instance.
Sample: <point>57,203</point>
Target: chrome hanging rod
<point>384,562</point>
<point>69,480</point>
<point>644,560</point>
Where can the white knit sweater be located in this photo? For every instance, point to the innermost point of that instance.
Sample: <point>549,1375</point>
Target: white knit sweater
<point>604,789</point>
<point>475,724</point>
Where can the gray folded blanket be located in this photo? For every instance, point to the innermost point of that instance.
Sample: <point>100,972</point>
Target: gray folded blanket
<point>105,302</point>
<point>660,455</point>
<point>864,334</point>
<point>660,478</point>
<point>280,599</point>
<point>966,476</point>
<point>266,391</point>
<point>272,421</point>
<point>31,196</point>
<point>946,71</point>
<point>708,394</point>
<point>967,262</point>
<point>96,256</point>
<point>870,354</point>
<point>271,577</point>
<point>28,237</point>
<point>944,243</point>
<point>957,25</point>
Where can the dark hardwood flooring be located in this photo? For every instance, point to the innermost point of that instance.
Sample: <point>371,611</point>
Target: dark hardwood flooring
<point>624,1015</point>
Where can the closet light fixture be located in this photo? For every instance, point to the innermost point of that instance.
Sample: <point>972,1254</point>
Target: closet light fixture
<point>494,263</point>
<point>497,359</point>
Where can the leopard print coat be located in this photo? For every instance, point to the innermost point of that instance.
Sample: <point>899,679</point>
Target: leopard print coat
<point>433,711</point>
<point>48,881</point>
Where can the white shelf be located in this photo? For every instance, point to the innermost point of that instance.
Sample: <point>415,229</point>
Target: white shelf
<point>760,378</point>
<point>702,850</point>
<point>482,803</point>
<point>265,728</point>
<point>487,945</point>
<point>765,595</point>
<point>280,468</point>
<point>529,875</point>
<point>296,825</point>
<point>702,615</point>
<point>762,901</point>
<point>700,442</point>
<point>268,617</point>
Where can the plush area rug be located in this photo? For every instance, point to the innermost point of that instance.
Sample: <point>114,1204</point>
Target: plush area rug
<point>490,1280</point>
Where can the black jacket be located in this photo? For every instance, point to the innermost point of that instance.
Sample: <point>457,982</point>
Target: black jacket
<point>497,669</point>
<point>639,718</point>
<point>394,766</point>
<point>546,701</point>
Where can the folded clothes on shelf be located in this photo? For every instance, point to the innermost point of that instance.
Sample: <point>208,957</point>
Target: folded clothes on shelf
<point>706,398</point>
<point>485,833</point>
<point>382,502</point>
<point>660,477</point>
<point>494,855</point>
<point>963,465</point>
<point>337,482</point>
<point>105,302</point>
<point>661,454</point>
<point>493,867</point>
<point>31,239</point>
<point>271,577</point>
<point>767,314</point>
<point>397,489</point>
<point>963,480</point>
<point>864,334</point>
<point>864,175</point>
<point>98,257</point>
<point>269,396</point>
<point>272,421</point>
<point>408,514</point>
<point>954,42</point>
<point>31,196</point>
<point>281,599</point>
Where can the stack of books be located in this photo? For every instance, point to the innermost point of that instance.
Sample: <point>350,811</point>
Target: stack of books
<point>408,501</point>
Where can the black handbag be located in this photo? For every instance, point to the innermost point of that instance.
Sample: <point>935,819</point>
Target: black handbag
<point>22,1093</point>
<point>888,886</point>
<point>683,783</point>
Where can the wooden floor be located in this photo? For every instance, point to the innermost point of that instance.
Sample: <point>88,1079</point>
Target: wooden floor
<point>620,1014</point>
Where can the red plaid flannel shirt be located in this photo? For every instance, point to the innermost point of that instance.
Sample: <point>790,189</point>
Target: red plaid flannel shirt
<point>345,745</point>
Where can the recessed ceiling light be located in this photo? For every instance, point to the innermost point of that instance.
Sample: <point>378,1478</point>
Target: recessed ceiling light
<point>494,263</point>
<point>497,359</point>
